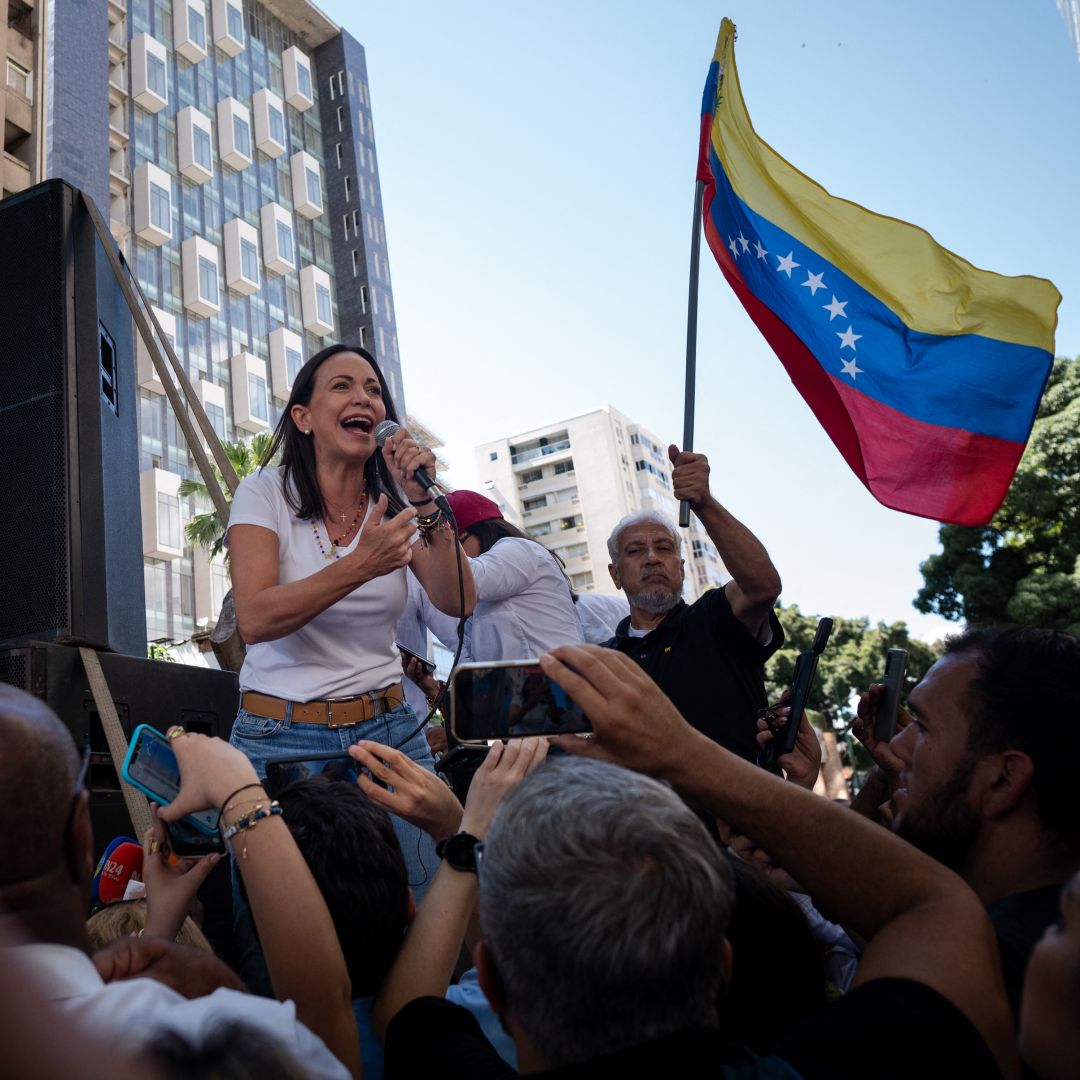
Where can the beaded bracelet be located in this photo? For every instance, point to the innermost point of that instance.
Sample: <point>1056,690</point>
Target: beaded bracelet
<point>225,805</point>
<point>427,526</point>
<point>249,821</point>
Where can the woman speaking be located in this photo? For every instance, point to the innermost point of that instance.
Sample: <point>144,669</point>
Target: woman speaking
<point>318,550</point>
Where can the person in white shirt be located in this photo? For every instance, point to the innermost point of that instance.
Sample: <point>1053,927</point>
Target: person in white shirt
<point>319,548</point>
<point>524,606</point>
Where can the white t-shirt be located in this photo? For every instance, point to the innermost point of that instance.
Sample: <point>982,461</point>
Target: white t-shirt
<point>134,1011</point>
<point>345,650</point>
<point>523,603</point>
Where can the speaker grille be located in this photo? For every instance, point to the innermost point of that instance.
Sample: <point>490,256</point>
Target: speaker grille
<point>34,529</point>
<point>15,668</point>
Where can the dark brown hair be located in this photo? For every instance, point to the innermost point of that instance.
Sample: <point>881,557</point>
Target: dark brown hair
<point>299,481</point>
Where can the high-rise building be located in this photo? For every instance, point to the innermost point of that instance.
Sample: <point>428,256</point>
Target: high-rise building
<point>230,146</point>
<point>567,484</point>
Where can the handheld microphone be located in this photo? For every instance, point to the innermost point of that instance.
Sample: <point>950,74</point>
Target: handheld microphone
<point>122,862</point>
<point>383,432</point>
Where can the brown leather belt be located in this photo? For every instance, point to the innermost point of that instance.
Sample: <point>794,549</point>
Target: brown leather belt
<point>332,713</point>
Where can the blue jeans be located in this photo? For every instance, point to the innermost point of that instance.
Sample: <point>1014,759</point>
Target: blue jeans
<point>262,738</point>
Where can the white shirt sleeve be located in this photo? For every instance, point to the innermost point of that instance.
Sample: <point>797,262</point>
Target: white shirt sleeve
<point>255,502</point>
<point>507,569</point>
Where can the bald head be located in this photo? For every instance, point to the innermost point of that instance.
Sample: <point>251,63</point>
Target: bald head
<point>38,767</point>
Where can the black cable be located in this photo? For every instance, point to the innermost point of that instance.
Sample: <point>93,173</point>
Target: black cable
<point>460,635</point>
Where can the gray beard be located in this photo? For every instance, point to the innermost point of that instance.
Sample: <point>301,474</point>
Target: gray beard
<point>656,601</point>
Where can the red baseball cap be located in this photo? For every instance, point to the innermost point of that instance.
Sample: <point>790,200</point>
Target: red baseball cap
<point>470,507</point>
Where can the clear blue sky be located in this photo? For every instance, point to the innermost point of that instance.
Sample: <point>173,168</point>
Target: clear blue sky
<point>537,166</point>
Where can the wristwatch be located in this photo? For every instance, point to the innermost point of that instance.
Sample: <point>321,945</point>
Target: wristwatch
<point>459,851</point>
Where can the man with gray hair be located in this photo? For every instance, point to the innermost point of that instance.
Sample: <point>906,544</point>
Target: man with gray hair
<point>709,656</point>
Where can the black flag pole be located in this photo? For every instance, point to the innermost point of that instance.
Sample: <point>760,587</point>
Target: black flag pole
<point>691,340</point>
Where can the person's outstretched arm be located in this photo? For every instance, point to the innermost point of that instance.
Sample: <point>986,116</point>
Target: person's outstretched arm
<point>426,961</point>
<point>921,921</point>
<point>297,934</point>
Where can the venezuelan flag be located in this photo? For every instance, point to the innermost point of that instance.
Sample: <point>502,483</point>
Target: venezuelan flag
<point>925,371</point>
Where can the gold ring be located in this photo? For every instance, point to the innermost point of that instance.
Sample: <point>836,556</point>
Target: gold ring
<point>155,846</point>
<point>175,732</point>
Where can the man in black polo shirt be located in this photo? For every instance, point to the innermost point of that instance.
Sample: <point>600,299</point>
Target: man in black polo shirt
<point>709,656</point>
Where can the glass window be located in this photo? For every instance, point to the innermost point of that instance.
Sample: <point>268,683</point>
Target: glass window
<point>277,124</point>
<point>216,415</point>
<point>532,475</point>
<point>355,263</point>
<point>363,305</point>
<point>285,242</point>
<point>241,134</point>
<point>18,78</point>
<point>160,208</point>
<point>236,22</point>
<point>303,79</point>
<point>196,22</point>
<point>249,260</point>
<point>257,396</point>
<point>202,147</point>
<point>219,586</point>
<point>539,530</point>
<point>314,188</point>
<point>208,286</point>
<point>168,520</point>
<point>563,467</point>
<point>534,503</point>
<point>322,304</point>
<point>155,75</point>
<point>294,361</point>
<point>348,187</point>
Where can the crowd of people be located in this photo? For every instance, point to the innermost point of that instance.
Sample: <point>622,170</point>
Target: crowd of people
<point>642,899</point>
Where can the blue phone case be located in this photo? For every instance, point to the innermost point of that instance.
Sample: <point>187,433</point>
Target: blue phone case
<point>206,821</point>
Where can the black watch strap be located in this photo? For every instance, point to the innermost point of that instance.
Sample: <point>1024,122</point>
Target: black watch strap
<point>459,851</point>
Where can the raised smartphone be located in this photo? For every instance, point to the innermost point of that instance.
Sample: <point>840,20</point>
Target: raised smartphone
<point>511,699</point>
<point>151,766</point>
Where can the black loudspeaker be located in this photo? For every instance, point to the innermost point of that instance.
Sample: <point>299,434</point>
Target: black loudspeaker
<point>70,548</point>
<point>151,692</point>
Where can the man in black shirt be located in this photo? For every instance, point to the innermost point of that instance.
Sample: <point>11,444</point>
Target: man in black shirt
<point>983,776</point>
<point>603,905</point>
<point>709,656</point>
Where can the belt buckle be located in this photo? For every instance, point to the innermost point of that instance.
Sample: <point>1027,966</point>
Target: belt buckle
<point>330,703</point>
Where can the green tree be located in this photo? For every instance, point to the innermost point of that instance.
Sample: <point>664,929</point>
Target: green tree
<point>206,529</point>
<point>853,659</point>
<point>1024,566</point>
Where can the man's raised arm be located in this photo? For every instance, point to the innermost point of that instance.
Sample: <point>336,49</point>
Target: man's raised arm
<point>921,921</point>
<point>755,583</point>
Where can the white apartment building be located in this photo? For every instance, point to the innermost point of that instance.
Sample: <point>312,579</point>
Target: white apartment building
<point>568,483</point>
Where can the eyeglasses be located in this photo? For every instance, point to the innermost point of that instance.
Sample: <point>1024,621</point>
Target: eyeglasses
<point>84,768</point>
<point>80,783</point>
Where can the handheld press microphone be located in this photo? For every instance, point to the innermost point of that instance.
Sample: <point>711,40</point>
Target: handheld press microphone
<point>383,432</point>
<point>121,862</point>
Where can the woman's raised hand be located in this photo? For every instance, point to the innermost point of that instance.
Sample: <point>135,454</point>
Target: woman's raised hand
<point>386,543</point>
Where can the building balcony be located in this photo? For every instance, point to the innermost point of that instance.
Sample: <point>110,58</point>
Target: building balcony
<point>118,47</point>
<point>118,94</point>
<point>117,11</point>
<point>524,457</point>
<point>16,174</point>
<point>18,112</point>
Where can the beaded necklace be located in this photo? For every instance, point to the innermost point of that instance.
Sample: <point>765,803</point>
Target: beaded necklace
<point>333,553</point>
